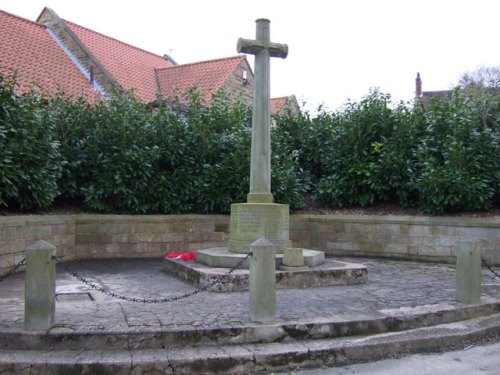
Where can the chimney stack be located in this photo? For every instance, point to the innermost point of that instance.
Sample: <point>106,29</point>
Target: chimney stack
<point>418,86</point>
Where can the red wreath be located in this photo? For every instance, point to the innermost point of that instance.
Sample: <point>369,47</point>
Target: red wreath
<point>185,256</point>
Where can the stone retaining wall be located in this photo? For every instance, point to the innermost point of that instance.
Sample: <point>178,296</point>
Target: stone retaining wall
<point>148,236</point>
<point>18,232</point>
<point>109,236</point>
<point>406,237</point>
<point>106,236</point>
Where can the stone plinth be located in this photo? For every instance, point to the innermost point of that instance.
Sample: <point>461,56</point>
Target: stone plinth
<point>329,273</point>
<point>293,260</point>
<point>293,257</point>
<point>220,257</point>
<point>251,221</point>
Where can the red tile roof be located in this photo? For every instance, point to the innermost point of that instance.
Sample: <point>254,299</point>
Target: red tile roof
<point>277,104</point>
<point>132,67</point>
<point>207,76</point>
<point>27,48</point>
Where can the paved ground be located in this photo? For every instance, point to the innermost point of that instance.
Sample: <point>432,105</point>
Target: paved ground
<point>480,360</point>
<point>392,285</point>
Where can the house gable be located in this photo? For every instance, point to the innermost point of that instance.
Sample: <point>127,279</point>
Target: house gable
<point>29,51</point>
<point>208,77</point>
<point>240,83</point>
<point>90,65</point>
<point>112,62</point>
<point>285,105</point>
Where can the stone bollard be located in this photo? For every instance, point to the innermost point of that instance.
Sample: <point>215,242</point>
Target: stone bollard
<point>262,283</point>
<point>468,273</point>
<point>39,294</point>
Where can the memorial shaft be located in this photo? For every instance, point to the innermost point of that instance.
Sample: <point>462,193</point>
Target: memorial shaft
<point>260,162</point>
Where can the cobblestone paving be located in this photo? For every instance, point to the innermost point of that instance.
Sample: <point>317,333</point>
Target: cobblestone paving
<point>391,285</point>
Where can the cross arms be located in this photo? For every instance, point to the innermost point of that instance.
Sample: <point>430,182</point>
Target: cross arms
<point>253,47</point>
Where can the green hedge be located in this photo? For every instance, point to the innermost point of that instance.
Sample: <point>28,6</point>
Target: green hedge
<point>457,160</point>
<point>122,156</point>
<point>439,157</point>
<point>30,159</point>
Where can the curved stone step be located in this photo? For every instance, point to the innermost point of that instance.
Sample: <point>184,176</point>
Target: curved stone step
<point>251,358</point>
<point>389,320</point>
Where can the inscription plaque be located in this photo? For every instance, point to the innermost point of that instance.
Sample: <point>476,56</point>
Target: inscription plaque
<point>251,221</point>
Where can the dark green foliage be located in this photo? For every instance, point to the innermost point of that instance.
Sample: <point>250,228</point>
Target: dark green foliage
<point>457,161</point>
<point>368,157</point>
<point>220,150</point>
<point>30,162</point>
<point>309,139</point>
<point>121,157</point>
<point>124,157</point>
<point>72,123</point>
<point>160,161</point>
<point>440,158</point>
<point>288,181</point>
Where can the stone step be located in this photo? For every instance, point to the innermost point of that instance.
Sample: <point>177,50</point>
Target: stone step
<point>212,264</point>
<point>388,320</point>
<point>251,358</point>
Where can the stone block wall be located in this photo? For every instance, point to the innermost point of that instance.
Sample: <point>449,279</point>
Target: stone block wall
<point>18,232</point>
<point>108,236</point>
<point>406,237</point>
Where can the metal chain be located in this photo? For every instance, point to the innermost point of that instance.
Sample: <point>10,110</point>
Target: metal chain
<point>490,268</point>
<point>94,286</point>
<point>13,270</point>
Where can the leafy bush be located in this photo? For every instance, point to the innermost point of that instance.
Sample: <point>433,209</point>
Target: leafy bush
<point>457,160</point>
<point>120,156</point>
<point>288,181</point>
<point>441,157</point>
<point>368,155</point>
<point>310,139</point>
<point>72,121</point>
<point>220,145</point>
<point>142,160</point>
<point>30,162</point>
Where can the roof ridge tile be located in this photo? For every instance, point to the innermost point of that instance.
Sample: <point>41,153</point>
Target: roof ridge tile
<point>239,57</point>
<point>116,40</point>
<point>23,19</point>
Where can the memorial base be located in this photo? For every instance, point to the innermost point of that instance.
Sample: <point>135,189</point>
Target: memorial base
<point>251,221</point>
<point>329,273</point>
<point>219,257</point>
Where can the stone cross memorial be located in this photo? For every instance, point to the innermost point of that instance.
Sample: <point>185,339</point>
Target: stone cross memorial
<point>260,217</point>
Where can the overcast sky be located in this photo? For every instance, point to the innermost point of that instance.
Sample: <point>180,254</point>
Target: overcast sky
<point>338,49</point>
